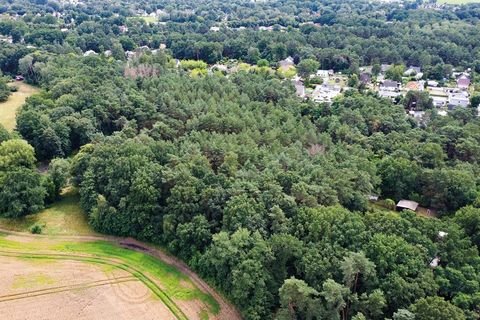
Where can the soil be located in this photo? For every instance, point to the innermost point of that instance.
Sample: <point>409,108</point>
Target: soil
<point>191,308</point>
<point>73,290</point>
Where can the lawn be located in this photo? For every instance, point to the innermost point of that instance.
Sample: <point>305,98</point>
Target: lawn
<point>8,109</point>
<point>147,19</point>
<point>64,217</point>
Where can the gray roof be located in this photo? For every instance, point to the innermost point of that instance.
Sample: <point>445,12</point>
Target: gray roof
<point>390,84</point>
<point>407,204</point>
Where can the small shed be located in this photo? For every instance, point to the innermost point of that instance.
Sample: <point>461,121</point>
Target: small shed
<point>407,205</point>
<point>435,262</point>
<point>442,234</point>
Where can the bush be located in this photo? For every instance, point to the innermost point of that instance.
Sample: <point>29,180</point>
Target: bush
<point>390,204</point>
<point>36,228</point>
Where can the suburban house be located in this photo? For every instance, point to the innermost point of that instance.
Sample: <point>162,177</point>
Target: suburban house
<point>389,85</point>
<point>439,101</point>
<point>418,115</point>
<point>299,88</point>
<point>389,94</point>
<point>458,99</point>
<point>414,71</point>
<point>326,93</point>
<point>286,64</point>
<point>389,89</point>
<point>463,82</point>
<point>385,67</point>
<point>365,78</point>
<point>407,205</point>
<point>323,74</point>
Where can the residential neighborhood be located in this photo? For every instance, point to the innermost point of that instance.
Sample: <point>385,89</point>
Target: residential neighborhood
<point>451,93</point>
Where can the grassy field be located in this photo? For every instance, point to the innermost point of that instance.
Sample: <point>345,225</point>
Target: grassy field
<point>64,217</point>
<point>147,19</point>
<point>8,109</point>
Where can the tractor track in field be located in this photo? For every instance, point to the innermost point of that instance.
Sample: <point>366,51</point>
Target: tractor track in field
<point>53,290</point>
<point>227,310</point>
<point>138,275</point>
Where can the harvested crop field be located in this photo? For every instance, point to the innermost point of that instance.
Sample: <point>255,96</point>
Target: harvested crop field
<point>84,278</point>
<point>31,289</point>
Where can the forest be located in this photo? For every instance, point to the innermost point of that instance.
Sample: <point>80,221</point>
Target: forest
<point>265,195</point>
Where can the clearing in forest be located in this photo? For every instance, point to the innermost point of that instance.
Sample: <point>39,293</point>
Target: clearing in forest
<point>64,217</point>
<point>8,109</point>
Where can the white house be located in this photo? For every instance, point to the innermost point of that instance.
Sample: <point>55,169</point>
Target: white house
<point>439,101</point>
<point>325,93</point>
<point>412,71</point>
<point>324,74</point>
<point>389,85</point>
<point>458,99</point>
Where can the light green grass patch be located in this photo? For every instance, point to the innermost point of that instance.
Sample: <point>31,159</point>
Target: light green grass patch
<point>288,73</point>
<point>64,217</point>
<point>8,109</point>
<point>147,19</point>
<point>203,315</point>
<point>31,281</point>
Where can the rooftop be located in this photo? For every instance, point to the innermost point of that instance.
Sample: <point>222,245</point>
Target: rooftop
<point>407,204</point>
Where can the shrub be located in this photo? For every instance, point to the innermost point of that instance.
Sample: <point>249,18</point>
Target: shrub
<point>36,229</point>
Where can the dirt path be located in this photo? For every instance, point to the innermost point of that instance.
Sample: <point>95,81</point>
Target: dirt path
<point>227,310</point>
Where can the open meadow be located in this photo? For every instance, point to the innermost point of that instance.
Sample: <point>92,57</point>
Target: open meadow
<point>8,109</point>
<point>64,217</point>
